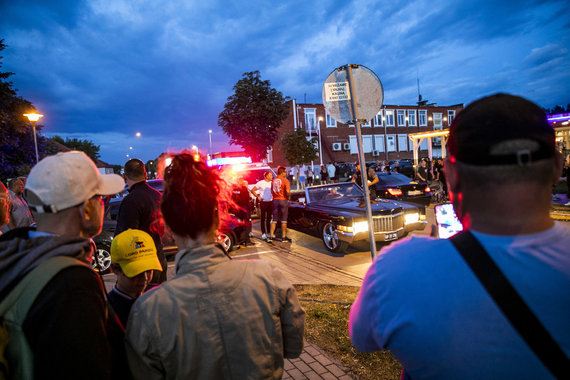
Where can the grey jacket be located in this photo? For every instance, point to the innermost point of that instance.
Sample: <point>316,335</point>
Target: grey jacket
<point>216,319</point>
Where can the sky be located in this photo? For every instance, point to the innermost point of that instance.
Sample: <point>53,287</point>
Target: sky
<point>103,70</point>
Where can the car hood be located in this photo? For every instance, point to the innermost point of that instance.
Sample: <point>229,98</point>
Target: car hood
<point>358,206</point>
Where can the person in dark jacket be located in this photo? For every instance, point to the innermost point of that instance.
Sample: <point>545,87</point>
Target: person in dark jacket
<point>140,210</point>
<point>69,328</point>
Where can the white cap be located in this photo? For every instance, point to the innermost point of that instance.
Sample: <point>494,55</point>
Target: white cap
<point>66,180</point>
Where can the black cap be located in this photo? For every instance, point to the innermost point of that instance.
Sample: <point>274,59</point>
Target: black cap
<point>494,119</point>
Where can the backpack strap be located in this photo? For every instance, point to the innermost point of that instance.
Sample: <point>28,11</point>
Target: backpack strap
<point>512,305</point>
<point>16,305</point>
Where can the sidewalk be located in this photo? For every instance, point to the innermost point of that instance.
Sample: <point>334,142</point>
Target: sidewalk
<point>314,364</point>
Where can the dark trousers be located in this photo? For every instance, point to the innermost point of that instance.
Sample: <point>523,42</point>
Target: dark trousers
<point>266,210</point>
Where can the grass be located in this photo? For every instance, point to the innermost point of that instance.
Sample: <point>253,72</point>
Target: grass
<point>326,326</point>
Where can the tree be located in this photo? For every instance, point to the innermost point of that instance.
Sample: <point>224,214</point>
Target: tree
<point>253,115</point>
<point>86,146</point>
<point>297,149</point>
<point>17,152</point>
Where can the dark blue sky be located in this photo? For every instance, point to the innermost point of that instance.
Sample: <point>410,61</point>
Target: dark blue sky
<point>106,69</point>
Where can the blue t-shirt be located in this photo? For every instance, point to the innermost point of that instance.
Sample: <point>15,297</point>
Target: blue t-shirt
<point>421,301</point>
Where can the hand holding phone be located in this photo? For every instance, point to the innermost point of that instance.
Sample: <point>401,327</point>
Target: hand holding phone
<point>447,222</point>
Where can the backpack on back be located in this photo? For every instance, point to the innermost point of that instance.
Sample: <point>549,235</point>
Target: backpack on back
<point>16,357</point>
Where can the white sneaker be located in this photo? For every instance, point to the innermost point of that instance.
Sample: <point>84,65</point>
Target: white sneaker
<point>263,236</point>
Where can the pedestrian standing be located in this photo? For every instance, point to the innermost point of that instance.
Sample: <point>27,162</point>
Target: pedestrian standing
<point>280,189</point>
<point>310,176</point>
<point>302,176</point>
<point>324,175</point>
<point>217,318</point>
<point>262,192</point>
<point>140,210</point>
<point>335,178</point>
<point>331,171</point>
<point>20,215</point>
<point>242,199</point>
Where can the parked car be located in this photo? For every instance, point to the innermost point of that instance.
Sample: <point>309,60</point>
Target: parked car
<point>346,170</point>
<point>336,213</point>
<point>406,167</point>
<point>230,233</point>
<point>399,187</point>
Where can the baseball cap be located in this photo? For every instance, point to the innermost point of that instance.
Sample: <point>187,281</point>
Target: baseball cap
<point>495,119</point>
<point>135,252</point>
<point>66,180</point>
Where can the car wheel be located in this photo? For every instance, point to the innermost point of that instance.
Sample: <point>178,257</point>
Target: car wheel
<point>101,260</point>
<point>227,240</point>
<point>331,240</point>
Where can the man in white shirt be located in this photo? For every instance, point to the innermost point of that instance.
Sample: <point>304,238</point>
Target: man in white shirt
<point>331,170</point>
<point>262,191</point>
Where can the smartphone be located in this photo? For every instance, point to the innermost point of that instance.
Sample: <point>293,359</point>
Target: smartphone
<point>447,222</point>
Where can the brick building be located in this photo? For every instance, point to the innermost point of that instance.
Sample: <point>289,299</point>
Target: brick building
<point>384,138</point>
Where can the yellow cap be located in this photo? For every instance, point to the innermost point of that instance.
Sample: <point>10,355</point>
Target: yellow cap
<point>135,252</point>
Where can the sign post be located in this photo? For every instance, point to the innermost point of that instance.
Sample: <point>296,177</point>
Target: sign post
<point>353,94</point>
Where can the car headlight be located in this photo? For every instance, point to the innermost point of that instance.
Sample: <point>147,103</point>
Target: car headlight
<point>412,218</point>
<point>360,227</point>
<point>345,228</point>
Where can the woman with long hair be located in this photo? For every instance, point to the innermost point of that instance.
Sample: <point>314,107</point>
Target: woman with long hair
<point>217,317</point>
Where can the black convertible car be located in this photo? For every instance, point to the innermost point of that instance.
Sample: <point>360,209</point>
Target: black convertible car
<point>336,213</point>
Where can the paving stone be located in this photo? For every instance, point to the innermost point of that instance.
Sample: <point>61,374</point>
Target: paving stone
<point>318,367</point>
<point>335,370</point>
<point>311,350</point>
<point>296,374</point>
<point>288,365</point>
<point>302,366</point>
<point>329,376</point>
<point>346,377</point>
<point>306,358</point>
<point>312,375</point>
<point>323,360</point>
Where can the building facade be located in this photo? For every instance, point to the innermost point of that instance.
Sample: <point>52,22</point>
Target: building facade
<point>384,138</point>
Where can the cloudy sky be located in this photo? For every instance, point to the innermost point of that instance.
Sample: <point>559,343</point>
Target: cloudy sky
<point>105,69</point>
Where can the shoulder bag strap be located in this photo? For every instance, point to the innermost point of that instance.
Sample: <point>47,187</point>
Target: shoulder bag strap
<point>512,305</point>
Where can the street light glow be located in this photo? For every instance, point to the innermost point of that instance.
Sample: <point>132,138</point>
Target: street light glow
<point>33,116</point>
<point>138,134</point>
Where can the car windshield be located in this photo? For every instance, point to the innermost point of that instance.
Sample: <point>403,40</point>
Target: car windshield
<point>334,191</point>
<point>393,179</point>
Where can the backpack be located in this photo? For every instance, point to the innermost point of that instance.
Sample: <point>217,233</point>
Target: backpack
<point>16,357</point>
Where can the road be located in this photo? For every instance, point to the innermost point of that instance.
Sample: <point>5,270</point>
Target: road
<point>306,260</point>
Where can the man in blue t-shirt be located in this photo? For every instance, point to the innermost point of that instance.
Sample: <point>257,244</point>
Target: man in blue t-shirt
<point>419,298</point>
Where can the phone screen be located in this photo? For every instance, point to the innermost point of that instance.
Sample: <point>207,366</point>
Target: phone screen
<point>447,222</point>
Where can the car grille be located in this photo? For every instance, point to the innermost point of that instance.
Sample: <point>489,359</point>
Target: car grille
<point>388,223</point>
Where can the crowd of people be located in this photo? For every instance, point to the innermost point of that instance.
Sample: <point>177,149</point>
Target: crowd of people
<point>426,300</point>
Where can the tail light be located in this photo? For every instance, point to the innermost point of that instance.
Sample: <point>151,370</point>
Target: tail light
<point>395,192</point>
<point>427,189</point>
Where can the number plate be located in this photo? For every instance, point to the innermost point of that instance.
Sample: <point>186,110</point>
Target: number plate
<point>414,192</point>
<point>391,236</point>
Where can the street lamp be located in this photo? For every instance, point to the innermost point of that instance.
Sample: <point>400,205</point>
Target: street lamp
<point>320,145</point>
<point>210,133</point>
<point>138,134</point>
<point>33,118</point>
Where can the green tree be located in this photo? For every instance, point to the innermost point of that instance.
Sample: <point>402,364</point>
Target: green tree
<point>297,149</point>
<point>253,115</point>
<point>17,153</point>
<point>86,146</point>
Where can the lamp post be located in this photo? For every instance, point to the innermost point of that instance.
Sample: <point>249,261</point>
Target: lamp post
<point>33,118</point>
<point>320,145</point>
<point>210,133</point>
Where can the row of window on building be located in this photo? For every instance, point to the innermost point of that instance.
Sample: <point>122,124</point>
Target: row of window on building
<point>380,143</point>
<point>388,118</point>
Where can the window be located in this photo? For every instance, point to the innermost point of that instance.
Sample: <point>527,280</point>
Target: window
<point>378,119</point>
<point>331,123</point>
<point>366,144</point>
<point>450,116</point>
<point>366,125</point>
<point>437,124</point>
<point>401,118</point>
<point>389,118</point>
<point>391,143</point>
<point>412,118</point>
<point>311,120</point>
<point>424,144</point>
<point>402,143</point>
<point>379,143</point>
<point>423,118</point>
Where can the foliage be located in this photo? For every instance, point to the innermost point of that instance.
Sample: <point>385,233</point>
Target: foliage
<point>86,146</point>
<point>297,149</point>
<point>557,109</point>
<point>17,152</point>
<point>253,115</point>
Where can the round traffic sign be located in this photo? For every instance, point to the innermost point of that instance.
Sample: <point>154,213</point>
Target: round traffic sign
<point>368,93</point>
